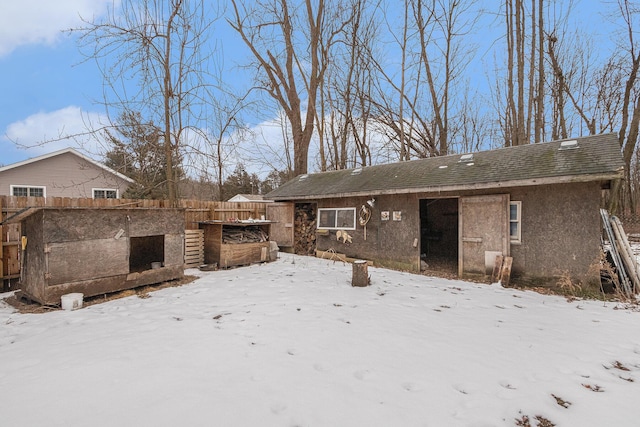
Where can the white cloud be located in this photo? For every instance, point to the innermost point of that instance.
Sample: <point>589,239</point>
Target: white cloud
<point>46,132</point>
<point>41,22</point>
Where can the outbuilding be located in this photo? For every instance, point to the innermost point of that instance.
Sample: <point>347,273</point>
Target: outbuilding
<point>537,203</point>
<point>97,251</point>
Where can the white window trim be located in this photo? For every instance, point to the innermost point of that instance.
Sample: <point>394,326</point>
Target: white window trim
<point>93,192</point>
<point>44,189</point>
<point>336,216</point>
<point>518,220</point>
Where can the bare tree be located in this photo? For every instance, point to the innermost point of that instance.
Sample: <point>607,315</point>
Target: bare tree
<point>284,39</point>
<point>346,93</point>
<point>434,54</point>
<point>630,108</point>
<point>606,99</point>
<point>152,60</point>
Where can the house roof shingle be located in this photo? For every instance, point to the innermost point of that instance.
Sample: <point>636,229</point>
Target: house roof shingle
<point>592,158</point>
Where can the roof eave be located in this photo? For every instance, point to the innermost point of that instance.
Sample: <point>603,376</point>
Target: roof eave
<point>619,174</point>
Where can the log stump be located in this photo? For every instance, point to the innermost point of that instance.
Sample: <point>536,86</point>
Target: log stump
<point>360,276</point>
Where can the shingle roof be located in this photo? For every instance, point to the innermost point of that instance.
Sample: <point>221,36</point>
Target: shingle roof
<point>592,158</point>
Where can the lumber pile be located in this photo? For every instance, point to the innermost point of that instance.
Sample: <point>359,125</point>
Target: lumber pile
<point>624,260</point>
<point>237,235</point>
<point>304,230</point>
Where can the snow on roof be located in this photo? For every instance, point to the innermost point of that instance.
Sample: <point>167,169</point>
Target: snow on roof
<point>248,198</point>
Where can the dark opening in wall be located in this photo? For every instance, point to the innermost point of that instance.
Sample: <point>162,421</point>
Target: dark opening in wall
<point>439,234</point>
<point>144,251</point>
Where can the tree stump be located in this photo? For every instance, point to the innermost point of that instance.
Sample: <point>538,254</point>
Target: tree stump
<point>360,273</point>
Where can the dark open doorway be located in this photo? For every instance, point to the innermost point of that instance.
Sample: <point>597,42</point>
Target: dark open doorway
<point>439,235</point>
<point>144,251</point>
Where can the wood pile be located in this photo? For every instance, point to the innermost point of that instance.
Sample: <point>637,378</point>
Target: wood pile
<point>304,229</point>
<point>237,235</point>
<point>624,260</point>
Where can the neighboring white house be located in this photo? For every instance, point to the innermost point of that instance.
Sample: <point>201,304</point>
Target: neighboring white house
<point>64,173</point>
<point>255,198</point>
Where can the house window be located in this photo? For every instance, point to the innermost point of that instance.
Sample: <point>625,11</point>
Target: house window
<point>105,193</point>
<point>27,191</point>
<point>515,222</point>
<point>338,218</point>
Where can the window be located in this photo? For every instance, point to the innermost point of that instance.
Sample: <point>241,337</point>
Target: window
<point>515,222</point>
<point>105,193</point>
<point>339,218</point>
<point>27,191</point>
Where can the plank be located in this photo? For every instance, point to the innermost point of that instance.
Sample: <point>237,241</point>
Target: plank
<point>336,256</point>
<point>626,252</point>
<point>193,248</point>
<point>505,272</point>
<point>497,267</point>
<point>615,255</point>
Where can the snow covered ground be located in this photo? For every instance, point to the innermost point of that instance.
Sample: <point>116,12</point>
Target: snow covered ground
<point>291,343</point>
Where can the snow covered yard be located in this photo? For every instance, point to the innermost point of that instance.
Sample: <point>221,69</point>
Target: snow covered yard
<point>291,343</point>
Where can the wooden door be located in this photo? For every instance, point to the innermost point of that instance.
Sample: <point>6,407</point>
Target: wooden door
<point>484,232</point>
<point>282,228</point>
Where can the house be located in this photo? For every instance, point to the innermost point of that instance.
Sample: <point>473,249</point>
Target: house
<point>64,173</point>
<point>250,198</point>
<point>95,251</point>
<point>537,203</point>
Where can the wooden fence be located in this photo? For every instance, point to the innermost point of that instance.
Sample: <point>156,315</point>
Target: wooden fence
<point>195,211</point>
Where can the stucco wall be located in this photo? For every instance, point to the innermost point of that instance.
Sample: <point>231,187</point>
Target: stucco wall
<point>389,242</point>
<point>560,230</point>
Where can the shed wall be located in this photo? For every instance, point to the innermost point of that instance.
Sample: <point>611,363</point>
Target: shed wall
<point>560,230</point>
<point>88,250</point>
<point>34,257</point>
<point>389,242</point>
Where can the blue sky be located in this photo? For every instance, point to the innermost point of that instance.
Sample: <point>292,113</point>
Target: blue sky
<point>43,85</point>
<point>46,90</point>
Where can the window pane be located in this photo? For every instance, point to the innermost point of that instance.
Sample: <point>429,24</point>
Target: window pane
<point>98,194</point>
<point>346,219</point>
<point>111,194</point>
<point>327,219</point>
<point>513,212</point>
<point>513,229</point>
<point>36,192</point>
<point>20,191</point>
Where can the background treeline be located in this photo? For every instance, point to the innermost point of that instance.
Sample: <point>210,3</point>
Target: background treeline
<point>202,94</point>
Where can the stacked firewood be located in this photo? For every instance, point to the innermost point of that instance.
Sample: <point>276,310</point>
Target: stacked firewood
<point>305,229</point>
<point>234,235</point>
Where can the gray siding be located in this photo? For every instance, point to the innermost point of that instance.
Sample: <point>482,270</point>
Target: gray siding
<point>65,175</point>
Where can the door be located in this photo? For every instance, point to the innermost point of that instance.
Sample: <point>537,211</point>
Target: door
<point>484,232</point>
<point>282,228</point>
